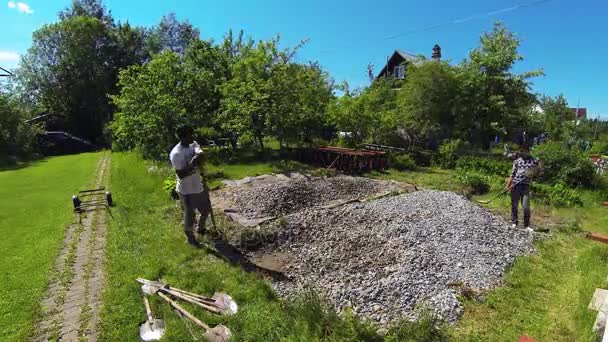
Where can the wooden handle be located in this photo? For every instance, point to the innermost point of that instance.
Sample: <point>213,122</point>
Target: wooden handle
<point>194,295</point>
<point>192,301</point>
<point>183,311</point>
<point>148,310</point>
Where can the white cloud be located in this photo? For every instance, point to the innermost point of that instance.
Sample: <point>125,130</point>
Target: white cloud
<point>9,56</point>
<point>21,7</point>
<point>24,8</point>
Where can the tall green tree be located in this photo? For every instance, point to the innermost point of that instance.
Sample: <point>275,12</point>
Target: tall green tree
<point>168,91</point>
<point>69,70</point>
<point>426,104</point>
<point>171,34</point>
<point>492,96</point>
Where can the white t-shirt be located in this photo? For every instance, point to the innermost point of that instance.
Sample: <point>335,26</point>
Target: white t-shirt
<point>180,156</point>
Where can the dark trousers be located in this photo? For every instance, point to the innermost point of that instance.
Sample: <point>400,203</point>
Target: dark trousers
<point>520,192</point>
<point>191,203</point>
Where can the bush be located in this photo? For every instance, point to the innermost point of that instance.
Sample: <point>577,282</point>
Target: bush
<point>484,165</point>
<point>449,152</point>
<point>402,162</point>
<point>473,182</point>
<point>422,157</point>
<point>564,164</point>
<point>559,194</point>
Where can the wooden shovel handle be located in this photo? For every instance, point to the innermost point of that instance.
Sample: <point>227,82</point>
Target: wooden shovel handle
<point>183,311</point>
<point>148,310</point>
<point>192,301</point>
<point>194,295</point>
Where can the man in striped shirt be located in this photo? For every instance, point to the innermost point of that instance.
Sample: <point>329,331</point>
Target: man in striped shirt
<point>524,168</point>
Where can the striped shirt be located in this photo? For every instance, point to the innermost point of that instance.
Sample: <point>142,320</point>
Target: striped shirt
<point>521,168</point>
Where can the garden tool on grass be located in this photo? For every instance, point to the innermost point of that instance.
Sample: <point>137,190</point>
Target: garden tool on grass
<point>490,200</point>
<point>152,329</point>
<point>219,303</point>
<point>219,333</point>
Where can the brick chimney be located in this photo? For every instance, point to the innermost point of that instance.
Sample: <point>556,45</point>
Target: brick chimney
<point>436,53</point>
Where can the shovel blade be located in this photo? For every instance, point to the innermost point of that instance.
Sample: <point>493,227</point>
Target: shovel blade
<point>152,331</point>
<point>225,303</point>
<point>219,333</point>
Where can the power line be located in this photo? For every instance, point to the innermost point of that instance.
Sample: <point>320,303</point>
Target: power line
<point>8,73</point>
<point>455,21</point>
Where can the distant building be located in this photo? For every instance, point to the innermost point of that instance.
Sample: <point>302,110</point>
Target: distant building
<point>579,113</point>
<point>396,65</point>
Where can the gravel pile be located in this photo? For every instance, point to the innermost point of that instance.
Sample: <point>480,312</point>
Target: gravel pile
<point>296,194</point>
<point>385,257</point>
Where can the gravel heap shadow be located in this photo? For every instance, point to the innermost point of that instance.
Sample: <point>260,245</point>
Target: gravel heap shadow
<point>386,257</point>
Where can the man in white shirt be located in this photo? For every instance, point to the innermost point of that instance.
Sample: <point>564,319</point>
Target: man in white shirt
<point>185,158</point>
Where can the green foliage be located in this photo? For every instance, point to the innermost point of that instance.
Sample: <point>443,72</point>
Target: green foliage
<point>557,117</point>
<point>449,153</point>
<point>484,165</point>
<point>492,99</point>
<point>168,91</point>
<point>170,35</point>
<point>368,115</point>
<point>427,100</point>
<point>169,185</point>
<point>17,138</point>
<point>475,183</point>
<point>565,164</point>
<point>402,162</point>
<point>559,194</point>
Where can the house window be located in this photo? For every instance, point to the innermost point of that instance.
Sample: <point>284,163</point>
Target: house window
<point>399,71</point>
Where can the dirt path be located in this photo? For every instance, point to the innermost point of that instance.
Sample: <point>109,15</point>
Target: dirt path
<point>70,308</point>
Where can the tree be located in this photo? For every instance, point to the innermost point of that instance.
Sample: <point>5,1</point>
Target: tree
<point>556,116</point>
<point>491,96</point>
<point>299,97</point>
<point>88,8</point>
<point>366,115</point>
<point>171,34</point>
<point>426,102</point>
<point>169,90</point>
<point>17,137</point>
<point>69,69</point>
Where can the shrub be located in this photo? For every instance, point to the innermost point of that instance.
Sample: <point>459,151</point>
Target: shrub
<point>475,183</point>
<point>422,157</point>
<point>402,162</point>
<point>449,152</point>
<point>558,194</point>
<point>564,164</point>
<point>484,165</point>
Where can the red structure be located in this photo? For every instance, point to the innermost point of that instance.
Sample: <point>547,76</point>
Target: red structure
<point>348,160</point>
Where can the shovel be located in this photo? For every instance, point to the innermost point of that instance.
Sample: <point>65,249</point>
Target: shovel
<point>219,333</point>
<point>220,303</point>
<point>152,329</point>
<point>490,200</point>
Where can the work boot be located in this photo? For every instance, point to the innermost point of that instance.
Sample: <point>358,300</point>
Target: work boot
<point>192,240</point>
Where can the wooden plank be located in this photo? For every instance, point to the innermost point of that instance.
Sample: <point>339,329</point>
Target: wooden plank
<point>599,296</point>
<point>598,237</point>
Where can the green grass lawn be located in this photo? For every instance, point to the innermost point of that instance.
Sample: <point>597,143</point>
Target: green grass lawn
<point>35,208</point>
<point>146,240</point>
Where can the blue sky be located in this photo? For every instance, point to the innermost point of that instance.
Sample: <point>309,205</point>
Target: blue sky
<point>567,39</point>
